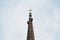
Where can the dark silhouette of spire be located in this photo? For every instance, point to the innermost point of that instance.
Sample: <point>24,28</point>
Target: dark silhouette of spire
<point>30,33</point>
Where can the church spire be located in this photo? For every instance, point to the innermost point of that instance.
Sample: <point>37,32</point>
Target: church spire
<point>30,33</point>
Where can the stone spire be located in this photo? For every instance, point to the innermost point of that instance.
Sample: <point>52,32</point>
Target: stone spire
<point>30,33</point>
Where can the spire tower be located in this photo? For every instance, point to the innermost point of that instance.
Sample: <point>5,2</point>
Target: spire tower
<point>30,33</point>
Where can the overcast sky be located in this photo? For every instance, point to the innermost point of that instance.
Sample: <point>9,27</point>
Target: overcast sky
<point>14,16</point>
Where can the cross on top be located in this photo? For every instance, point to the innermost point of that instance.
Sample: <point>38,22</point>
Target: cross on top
<point>30,10</point>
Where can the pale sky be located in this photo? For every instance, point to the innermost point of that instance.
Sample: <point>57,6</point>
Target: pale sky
<point>14,16</point>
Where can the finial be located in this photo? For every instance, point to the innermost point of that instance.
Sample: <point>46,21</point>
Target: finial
<point>30,10</point>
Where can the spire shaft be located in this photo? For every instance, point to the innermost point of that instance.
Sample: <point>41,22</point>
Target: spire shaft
<point>30,33</point>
